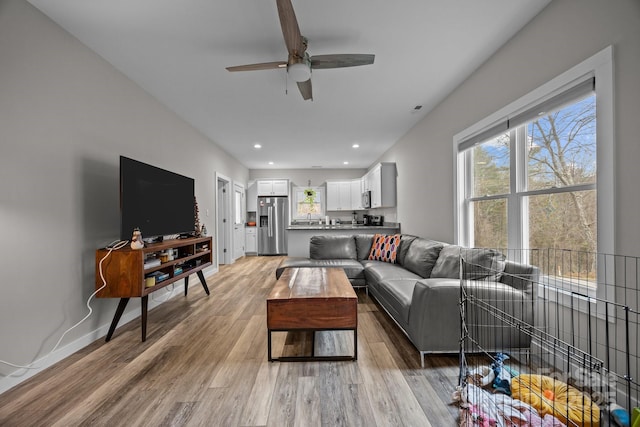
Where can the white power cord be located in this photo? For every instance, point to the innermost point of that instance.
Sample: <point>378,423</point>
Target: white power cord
<point>113,246</point>
<point>169,294</point>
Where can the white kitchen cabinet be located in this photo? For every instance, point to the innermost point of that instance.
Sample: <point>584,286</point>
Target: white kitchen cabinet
<point>273,187</point>
<point>381,181</point>
<point>339,196</point>
<point>251,240</point>
<point>356,194</point>
<point>252,198</point>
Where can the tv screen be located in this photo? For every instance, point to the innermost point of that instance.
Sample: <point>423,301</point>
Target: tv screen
<point>156,201</point>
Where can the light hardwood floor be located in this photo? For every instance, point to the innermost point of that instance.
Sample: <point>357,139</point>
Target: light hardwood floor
<point>205,364</point>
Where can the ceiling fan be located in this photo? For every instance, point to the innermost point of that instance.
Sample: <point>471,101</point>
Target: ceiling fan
<point>300,64</point>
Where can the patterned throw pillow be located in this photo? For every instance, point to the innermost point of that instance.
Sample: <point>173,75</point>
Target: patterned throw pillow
<point>385,248</point>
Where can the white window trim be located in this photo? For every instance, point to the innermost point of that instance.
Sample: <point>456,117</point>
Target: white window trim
<point>599,65</point>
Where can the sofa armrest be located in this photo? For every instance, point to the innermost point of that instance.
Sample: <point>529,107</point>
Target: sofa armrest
<point>435,320</point>
<point>522,276</point>
<point>434,316</point>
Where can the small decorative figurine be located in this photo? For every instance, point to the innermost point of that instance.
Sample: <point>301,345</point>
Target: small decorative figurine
<point>196,214</point>
<point>203,231</point>
<point>136,239</point>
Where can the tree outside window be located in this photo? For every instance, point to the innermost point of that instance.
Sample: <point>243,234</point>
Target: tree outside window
<point>552,186</point>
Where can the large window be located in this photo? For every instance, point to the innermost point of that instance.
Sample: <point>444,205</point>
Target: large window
<point>539,175</point>
<point>556,195</point>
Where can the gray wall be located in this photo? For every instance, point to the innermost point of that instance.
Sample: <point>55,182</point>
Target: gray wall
<point>565,33</point>
<point>66,116</point>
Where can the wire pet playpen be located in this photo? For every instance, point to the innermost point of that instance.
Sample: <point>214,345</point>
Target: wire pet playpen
<point>559,348</point>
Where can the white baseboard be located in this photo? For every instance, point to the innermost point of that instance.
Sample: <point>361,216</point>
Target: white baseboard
<point>21,375</point>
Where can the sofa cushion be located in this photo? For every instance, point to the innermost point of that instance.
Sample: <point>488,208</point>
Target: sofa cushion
<point>421,256</point>
<point>363,245</point>
<point>377,271</point>
<point>385,248</point>
<point>396,296</point>
<point>332,247</point>
<point>448,263</point>
<point>405,242</point>
<point>481,263</point>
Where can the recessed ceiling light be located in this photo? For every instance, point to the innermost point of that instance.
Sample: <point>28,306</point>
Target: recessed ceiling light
<point>346,163</point>
<point>356,145</point>
<point>270,163</point>
<point>257,146</point>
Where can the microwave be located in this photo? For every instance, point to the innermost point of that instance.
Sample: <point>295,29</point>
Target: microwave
<point>366,200</point>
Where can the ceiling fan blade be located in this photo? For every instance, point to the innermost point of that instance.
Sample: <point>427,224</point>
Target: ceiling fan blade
<point>290,30</point>
<point>259,66</point>
<point>319,62</point>
<point>305,90</point>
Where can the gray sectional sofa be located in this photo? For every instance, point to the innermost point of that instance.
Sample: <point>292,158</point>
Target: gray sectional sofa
<point>421,290</point>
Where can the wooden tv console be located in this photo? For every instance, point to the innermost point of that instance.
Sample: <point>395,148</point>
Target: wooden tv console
<point>126,273</point>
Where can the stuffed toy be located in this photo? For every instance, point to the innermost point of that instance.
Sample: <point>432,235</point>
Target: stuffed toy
<point>136,239</point>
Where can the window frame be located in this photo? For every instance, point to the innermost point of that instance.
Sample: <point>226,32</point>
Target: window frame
<point>298,196</point>
<point>600,67</point>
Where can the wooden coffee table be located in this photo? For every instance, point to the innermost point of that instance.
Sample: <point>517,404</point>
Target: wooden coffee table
<point>313,299</point>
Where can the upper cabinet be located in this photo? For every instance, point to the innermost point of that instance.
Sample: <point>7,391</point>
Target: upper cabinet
<point>339,196</point>
<point>356,194</point>
<point>345,195</point>
<point>381,181</point>
<point>273,187</point>
<point>252,197</point>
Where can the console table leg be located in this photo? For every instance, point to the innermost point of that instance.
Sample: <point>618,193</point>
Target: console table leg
<point>186,285</point>
<point>116,317</point>
<point>204,283</point>
<point>144,303</point>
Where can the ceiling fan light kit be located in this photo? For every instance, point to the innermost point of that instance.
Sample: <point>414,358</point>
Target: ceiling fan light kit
<point>300,64</point>
<point>299,72</point>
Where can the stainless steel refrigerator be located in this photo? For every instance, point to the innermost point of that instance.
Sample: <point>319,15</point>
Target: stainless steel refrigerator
<point>273,214</point>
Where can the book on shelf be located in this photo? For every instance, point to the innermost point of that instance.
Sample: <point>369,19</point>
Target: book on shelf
<point>159,276</point>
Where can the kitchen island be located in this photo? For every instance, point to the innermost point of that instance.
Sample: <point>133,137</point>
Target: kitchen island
<point>299,235</point>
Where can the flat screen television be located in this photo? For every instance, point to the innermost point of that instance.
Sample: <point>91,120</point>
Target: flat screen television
<point>155,200</point>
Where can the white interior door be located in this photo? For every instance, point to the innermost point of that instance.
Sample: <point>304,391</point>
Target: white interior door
<point>239,215</point>
<point>223,221</point>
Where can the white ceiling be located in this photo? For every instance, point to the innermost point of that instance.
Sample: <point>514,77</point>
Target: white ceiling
<point>178,50</point>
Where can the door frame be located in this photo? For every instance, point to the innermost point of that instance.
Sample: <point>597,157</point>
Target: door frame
<point>239,245</point>
<point>223,219</point>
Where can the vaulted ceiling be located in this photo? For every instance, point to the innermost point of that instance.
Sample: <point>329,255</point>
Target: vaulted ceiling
<point>178,51</point>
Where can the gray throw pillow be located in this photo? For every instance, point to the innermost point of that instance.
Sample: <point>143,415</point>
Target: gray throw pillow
<point>448,263</point>
<point>481,263</point>
<point>421,256</point>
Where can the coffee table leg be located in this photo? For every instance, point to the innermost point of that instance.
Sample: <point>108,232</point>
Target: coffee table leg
<point>313,344</point>
<point>355,344</point>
